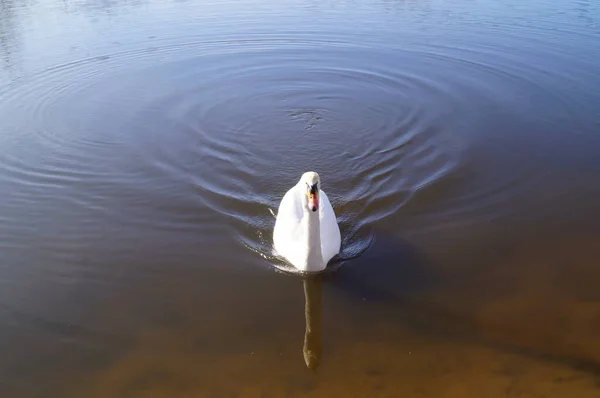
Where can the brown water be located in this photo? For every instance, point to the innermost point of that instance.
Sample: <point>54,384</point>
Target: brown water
<point>142,144</point>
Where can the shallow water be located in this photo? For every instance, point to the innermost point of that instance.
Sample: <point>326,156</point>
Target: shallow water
<point>143,143</point>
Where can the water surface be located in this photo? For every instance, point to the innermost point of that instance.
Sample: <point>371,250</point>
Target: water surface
<point>142,144</point>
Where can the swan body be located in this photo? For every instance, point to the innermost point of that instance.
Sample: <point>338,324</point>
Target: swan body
<point>306,232</point>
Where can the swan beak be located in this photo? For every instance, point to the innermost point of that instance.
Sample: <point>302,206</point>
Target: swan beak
<point>313,198</point>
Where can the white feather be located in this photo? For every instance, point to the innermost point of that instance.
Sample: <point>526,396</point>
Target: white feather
<point>291,233</point>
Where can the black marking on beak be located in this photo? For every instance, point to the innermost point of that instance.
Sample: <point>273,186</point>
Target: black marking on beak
<point>313,190</point>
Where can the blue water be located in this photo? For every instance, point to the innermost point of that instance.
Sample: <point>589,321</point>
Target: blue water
<point>142,144</point>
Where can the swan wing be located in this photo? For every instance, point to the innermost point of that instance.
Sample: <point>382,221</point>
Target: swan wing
<point>330,231</point>
<point>290,207</point>
<point>287,232</point>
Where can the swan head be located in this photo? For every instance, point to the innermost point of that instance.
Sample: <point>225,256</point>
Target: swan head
<point>311,183</point>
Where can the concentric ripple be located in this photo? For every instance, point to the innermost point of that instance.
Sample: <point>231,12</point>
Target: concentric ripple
<point>216,131</point>
<point>242,126</point>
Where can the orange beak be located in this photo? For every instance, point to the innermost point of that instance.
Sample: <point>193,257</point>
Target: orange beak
<point>313,201</point>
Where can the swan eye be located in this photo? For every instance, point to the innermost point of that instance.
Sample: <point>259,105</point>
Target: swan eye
<point>312,189</point>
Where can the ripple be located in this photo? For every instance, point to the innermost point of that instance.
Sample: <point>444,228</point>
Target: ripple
<point>235,122</point>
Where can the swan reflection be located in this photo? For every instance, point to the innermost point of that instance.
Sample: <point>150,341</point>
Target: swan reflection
<point>312,312</point>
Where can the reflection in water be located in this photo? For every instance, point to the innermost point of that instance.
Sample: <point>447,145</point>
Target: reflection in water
<point>312,311</point>
<point>8,34</point>
<point>140,144</point>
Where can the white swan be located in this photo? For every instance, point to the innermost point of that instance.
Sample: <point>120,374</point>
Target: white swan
<point>305,237</point>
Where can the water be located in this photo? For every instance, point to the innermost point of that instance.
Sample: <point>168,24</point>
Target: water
<point>142,144</point>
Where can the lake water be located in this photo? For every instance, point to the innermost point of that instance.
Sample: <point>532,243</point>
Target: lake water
<point>142,144</point>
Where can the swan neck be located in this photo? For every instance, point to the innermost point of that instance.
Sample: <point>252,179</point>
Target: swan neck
<point>313,241</point>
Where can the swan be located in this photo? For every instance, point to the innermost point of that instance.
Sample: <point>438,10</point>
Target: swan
<point>306,232</point>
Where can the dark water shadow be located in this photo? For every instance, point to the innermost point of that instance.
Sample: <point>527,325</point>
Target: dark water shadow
<point>387,272</point>
<point>393,273</point>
